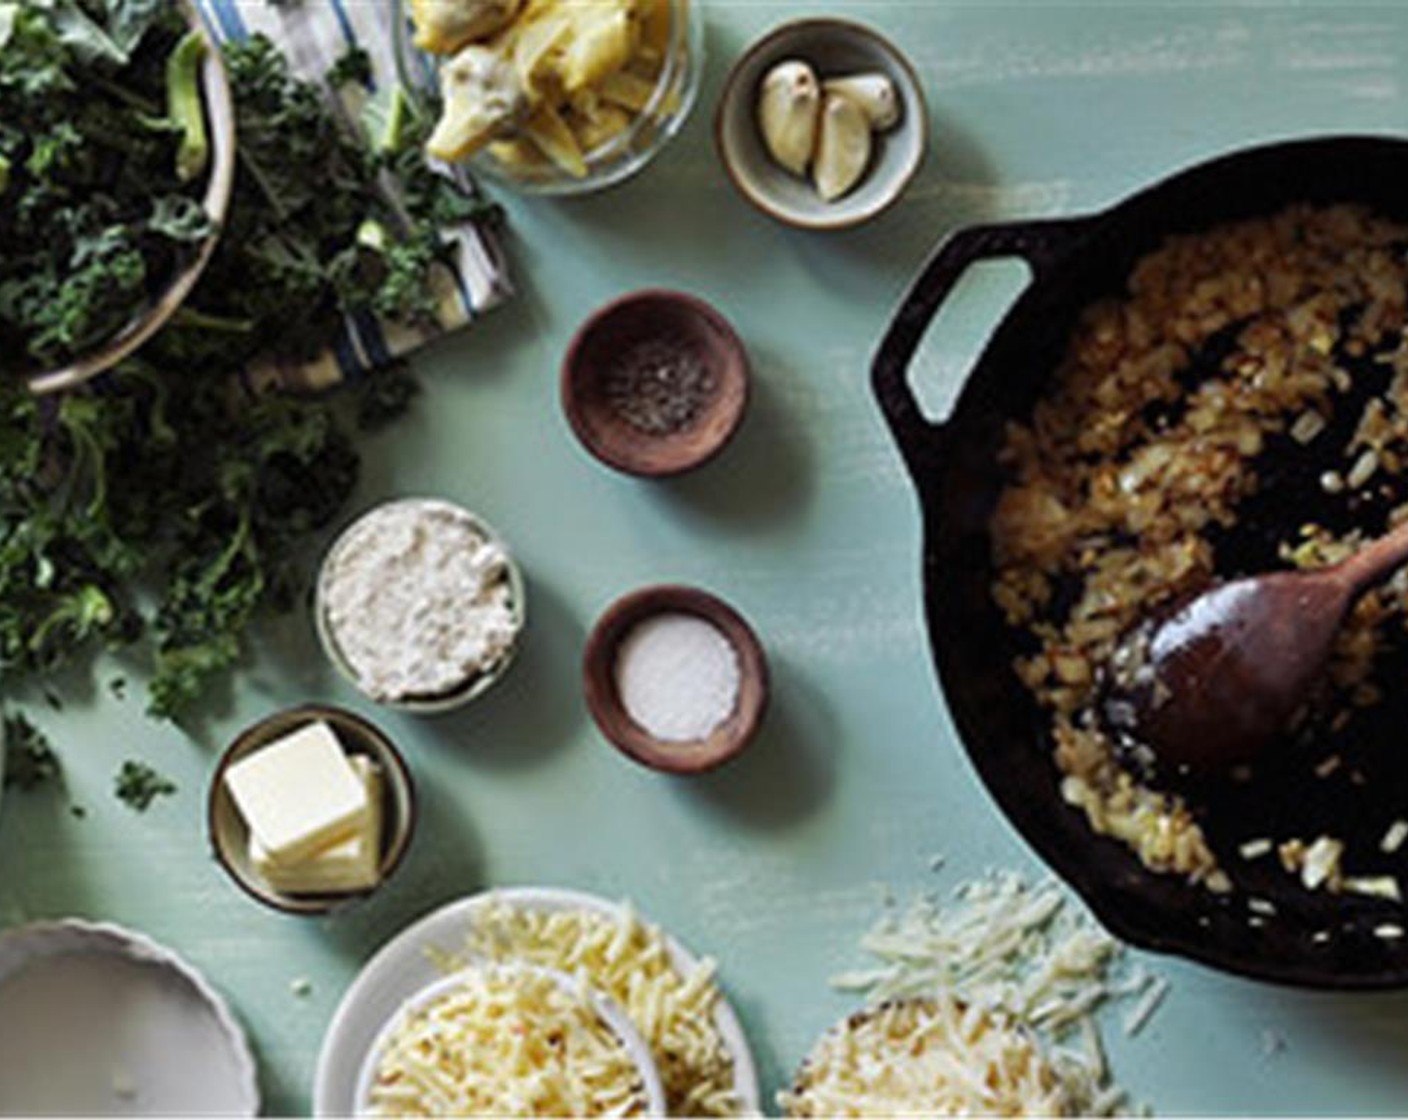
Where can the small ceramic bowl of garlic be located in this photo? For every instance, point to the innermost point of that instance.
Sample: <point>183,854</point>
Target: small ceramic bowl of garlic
<point>822,124</point>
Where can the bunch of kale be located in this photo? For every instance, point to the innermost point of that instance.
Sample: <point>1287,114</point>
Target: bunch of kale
<point>103,150</point>
<point>160,502</point>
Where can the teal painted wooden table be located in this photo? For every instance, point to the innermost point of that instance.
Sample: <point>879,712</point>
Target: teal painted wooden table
<point>807,524</point>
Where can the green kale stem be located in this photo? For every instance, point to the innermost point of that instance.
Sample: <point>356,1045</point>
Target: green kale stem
<point>393,133</point>
<point>185,107</point>
<point>202,320</point>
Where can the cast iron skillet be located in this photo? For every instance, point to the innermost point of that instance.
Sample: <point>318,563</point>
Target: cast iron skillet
<point>1314,940</point>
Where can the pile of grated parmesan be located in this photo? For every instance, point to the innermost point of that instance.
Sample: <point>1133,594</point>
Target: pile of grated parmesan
<point>629,961</point>
<point>1026,963</point>
<point>956,1060</point>
<point>506,1042</point>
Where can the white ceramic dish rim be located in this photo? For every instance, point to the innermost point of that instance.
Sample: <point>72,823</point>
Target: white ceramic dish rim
<point>775,44</point>
<point>38,940</point>
<point>480,684</point>
<point>334,1083</point>
<point>606,1008</point>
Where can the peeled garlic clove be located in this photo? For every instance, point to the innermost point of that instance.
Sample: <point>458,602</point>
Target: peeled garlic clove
<point>875,94</point>
<point>843,147</point>
<point>789,107</point>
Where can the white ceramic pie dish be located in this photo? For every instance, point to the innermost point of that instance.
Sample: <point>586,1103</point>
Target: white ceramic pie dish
<point>97,1020</point>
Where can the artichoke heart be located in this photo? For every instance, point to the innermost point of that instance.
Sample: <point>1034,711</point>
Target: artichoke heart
<point>789,108</point>
<point>604,39</point>
<point>843,148</point>
<point>483,100</point>
<point>444,26</point>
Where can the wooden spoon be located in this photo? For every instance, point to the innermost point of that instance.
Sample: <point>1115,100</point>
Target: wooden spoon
<point>1211,684</point>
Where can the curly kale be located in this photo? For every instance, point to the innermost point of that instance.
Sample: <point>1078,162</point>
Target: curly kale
<point>101,149</point>
<point>138,785</point>
<point>30,760</point>
<point>162,504</point>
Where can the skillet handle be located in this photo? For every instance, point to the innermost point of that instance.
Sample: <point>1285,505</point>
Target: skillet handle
<point>1040,243</point>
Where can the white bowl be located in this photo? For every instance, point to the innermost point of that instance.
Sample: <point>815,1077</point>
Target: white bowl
<point>476,686</point>
<point>406,964</point>
<point>97,1020</point>
<point>608,1010</point>
<point>833,47</point>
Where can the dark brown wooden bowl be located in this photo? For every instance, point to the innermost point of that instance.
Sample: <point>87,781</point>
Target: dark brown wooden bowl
<point>642,316</point>
<point>604,701</point>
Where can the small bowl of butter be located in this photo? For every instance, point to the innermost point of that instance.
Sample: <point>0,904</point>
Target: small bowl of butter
<point>419,604</point>
<point>310,808</point>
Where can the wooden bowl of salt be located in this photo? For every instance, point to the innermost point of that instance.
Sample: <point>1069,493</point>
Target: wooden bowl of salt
<point>675,679</point>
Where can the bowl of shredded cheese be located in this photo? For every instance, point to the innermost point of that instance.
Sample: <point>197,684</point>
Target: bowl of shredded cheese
<point>509,1040</point>
<point>673,997</point>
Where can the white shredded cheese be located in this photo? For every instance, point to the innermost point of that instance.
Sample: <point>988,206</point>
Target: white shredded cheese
<point>929,1054</point>
<point>1142,1011</point>
<point>1017,953</point>
<point>628,960</point>
<point>507,1042</point>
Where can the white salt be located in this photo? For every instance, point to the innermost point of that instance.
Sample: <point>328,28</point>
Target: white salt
<point>678,677</point>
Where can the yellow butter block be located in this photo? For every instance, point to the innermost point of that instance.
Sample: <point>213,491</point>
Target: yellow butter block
<point>299,794</point>
<point>350,865</point>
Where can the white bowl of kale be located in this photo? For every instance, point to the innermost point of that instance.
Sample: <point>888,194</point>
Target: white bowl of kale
<point>116,166</point>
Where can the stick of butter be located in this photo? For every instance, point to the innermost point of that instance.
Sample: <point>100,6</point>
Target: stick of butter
<point>299,794</point>
<point>352,865</point>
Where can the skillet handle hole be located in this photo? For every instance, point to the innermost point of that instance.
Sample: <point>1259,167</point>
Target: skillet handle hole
<point>955,340</point>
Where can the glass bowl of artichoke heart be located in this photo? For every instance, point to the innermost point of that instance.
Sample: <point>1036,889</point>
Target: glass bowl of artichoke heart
<point>551,96</point>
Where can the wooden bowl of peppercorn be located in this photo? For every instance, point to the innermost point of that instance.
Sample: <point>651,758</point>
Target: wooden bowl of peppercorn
<point>655,383</point>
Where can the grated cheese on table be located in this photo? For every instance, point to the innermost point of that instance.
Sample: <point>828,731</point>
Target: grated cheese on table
<point>957,1061</point>
<point>629,961</point>
<point>1023,957</point>
<point>507,1043</point>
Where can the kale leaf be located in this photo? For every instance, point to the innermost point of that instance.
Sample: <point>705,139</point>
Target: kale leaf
<point>30,760</point>
<point>138,785</point>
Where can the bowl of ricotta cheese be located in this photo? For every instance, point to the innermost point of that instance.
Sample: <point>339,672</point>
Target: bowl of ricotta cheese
<point>420,604</point>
